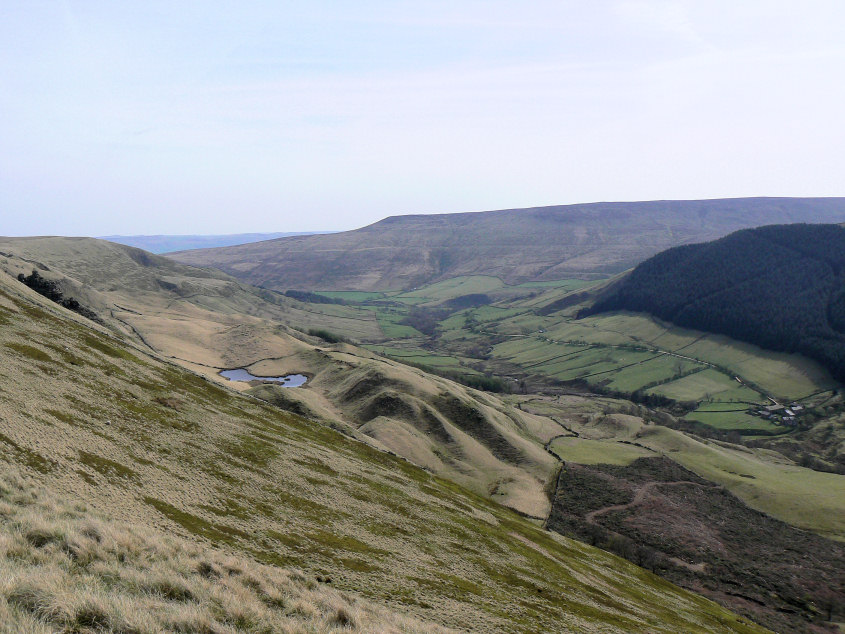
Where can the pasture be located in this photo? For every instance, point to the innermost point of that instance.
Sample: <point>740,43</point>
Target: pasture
<point>620,352</point>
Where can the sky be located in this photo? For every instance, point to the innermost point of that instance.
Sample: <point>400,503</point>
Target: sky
<point>199,117</point>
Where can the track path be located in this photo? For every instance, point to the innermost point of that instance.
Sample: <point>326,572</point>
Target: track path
<point>639,496</point>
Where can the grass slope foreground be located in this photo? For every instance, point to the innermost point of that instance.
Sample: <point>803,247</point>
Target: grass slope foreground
<point>781,287</point>
<point>90,418</point>
<point>517,245</point>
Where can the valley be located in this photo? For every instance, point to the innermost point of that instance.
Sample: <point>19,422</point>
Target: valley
<point>422,318</point>
<point>509,390</point>
<point>90,415</point>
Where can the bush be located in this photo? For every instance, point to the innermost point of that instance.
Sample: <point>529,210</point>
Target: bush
<point>51,291</point>
<point>327,336</point>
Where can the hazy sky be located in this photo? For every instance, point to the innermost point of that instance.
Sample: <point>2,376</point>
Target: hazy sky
<point>217,117</point>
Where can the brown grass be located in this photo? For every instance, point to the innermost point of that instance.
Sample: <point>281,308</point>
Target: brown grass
<point>62,568</point>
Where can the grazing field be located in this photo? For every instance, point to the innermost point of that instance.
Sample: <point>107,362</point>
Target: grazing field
<point>422,357</point>
<point>705,385</point>
<point>728,420</point>
<point>658,369</point>
<point>451,288</point>
<point>389,320</point>
<point>621,352</point>
<point>586,451</point>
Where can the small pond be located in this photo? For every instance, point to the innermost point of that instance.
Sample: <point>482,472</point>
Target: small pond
<point>242,374</point>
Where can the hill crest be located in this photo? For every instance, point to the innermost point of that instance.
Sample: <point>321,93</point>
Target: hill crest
<point>517,245</point>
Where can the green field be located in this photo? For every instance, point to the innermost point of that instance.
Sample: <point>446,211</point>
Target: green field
<point>733,421</point>
<point>620,352</point>
<point>451,288</point>
<point>419,356</point>
<point>658,369</point>
<point>568,348</point>
<point>705,385</point>
<point>388,321</point>
<point>586,451</point>
<point>352,296</point>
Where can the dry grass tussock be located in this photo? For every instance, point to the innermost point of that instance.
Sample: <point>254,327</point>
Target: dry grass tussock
<point>63,570</point>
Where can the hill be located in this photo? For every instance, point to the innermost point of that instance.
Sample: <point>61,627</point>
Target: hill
<point>168,243</point>
<point>67,568</point>
<point>543,243</point>
<point>491,443</point>
<point>781,287</point>
<point>209,322</point>
<point>97,420</point>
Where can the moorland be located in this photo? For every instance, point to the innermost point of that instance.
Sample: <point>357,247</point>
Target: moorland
<point>104,432</point>
<point>516,245</point>
<point>479,411</point>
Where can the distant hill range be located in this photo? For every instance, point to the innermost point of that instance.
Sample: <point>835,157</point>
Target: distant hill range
<point>781,287</point>
<point>517,245</point>
<point>167,243</point>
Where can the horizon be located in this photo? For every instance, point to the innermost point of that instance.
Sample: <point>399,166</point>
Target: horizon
<point>159,119</point>
<point>479,211</point>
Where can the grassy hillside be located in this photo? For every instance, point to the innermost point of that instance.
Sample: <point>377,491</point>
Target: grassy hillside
<point>132,289</point>
<point>208,322</point>
<point>91,418</point>
<point>65,568</point>
<point>780,287</point>
<point>517,245</point>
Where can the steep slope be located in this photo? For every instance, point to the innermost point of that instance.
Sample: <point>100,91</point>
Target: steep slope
<point>209,322</point>
<point>65,568</point>
<point>470,437</point>
<point>543,243</point>
<point>780,287</point>
<point>94,419</point>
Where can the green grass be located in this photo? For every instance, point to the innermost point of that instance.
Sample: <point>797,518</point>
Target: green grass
<point>569,284</point>
<point>31,352</point>
<point>586,451</point>
<point>622,352</point>
<point>352,296</point>
<point>709,383</point>
<point>108,468</point>
<point>733,421</point>
<point>388,321</point>
<point>451,288</point>
<point>807,499</point>
<point>662,368</point>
